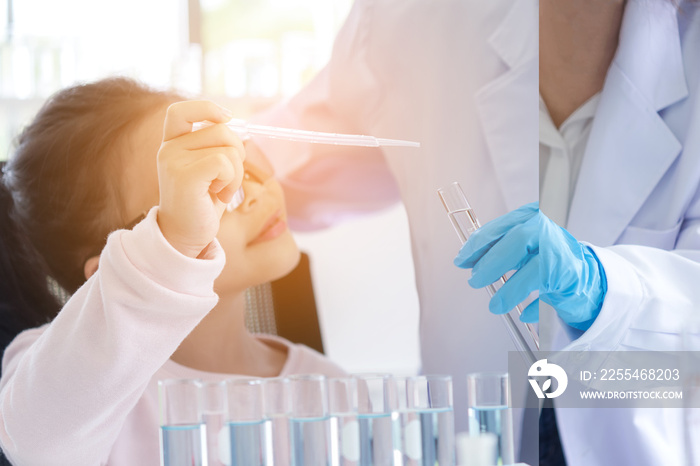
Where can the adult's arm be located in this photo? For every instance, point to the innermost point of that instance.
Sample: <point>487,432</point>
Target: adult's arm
<point>325,183</point>
<point>651,295</point>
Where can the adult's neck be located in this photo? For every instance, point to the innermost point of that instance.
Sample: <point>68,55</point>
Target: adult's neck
<point>222,343</point>
<point>578,40</point>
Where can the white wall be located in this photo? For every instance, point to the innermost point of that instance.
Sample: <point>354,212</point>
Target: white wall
<point>365,291</point>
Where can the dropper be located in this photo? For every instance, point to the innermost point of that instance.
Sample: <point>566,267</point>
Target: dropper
<point>245,129</point>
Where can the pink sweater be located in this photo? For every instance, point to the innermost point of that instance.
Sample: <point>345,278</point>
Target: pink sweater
<point>82,390</point>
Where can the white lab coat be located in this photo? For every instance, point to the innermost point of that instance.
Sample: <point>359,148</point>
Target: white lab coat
<point>637,202</point>
<point>460,77</point>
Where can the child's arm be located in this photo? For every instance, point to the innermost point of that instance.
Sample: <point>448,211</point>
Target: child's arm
<point>67,387</point>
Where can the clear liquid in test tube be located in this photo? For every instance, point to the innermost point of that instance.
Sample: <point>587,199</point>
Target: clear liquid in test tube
<point>465,223</point>
<point>183,434</point>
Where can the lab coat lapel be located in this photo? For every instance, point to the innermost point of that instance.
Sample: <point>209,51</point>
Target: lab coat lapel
<point>630,146</point>
<point>508,105</point>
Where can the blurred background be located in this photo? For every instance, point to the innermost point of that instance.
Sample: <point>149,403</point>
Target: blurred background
<point>245,55</point>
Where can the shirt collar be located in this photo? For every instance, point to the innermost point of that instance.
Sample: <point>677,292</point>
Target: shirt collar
<point>550,135</point>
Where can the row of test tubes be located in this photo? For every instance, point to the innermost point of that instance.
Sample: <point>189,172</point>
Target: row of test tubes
<point>311,420</point>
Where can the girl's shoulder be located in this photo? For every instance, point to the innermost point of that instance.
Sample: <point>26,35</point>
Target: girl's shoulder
<point>304,360</point>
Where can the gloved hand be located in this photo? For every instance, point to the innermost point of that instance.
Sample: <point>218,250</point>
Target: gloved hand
<point>546,257</point>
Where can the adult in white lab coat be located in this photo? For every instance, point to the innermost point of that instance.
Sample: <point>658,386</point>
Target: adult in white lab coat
<point>636,200</point>
<point>621,171</point>
<point>639,179</point>
<point>460,77</point>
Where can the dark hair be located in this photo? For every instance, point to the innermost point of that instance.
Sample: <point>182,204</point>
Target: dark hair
<point>59,197</point>
<point>25,298</point>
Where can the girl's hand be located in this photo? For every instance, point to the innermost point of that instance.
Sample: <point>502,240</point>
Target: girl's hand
<point>198,173</point>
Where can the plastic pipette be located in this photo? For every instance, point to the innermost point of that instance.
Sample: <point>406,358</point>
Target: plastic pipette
<point>245,129</point>
<point>465,223</point>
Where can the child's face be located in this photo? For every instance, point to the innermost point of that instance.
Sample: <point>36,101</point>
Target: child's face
<point>259,247</point>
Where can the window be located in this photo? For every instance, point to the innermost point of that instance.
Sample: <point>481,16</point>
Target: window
<point>258,51</point>
<point>247,53</point>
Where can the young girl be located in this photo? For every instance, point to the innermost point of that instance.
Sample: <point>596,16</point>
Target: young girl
<point>125,207</point>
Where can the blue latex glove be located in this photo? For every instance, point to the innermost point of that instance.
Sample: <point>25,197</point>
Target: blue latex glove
<point>546,257</point>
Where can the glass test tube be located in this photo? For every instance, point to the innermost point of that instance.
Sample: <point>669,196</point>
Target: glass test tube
<point>409,424</point>
<point>214,418</point>
<point>430,398</point>
<point>691,389</point>
<point>465,223</point>
<point>488,395</point>
<point>278,408</point>
<point>310,421</point>
<point>247,425</point>
<point>345,430</point>
<point>378,418</point>
<point>182,433</point>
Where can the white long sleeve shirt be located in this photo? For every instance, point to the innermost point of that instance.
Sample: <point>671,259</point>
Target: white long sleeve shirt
<point>82,390</point>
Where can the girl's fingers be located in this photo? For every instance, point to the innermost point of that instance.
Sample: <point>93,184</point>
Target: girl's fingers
<point>183,158</point>
<point>220,174</point>
<point>210,136</point>
<point>181,115</point>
